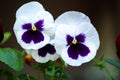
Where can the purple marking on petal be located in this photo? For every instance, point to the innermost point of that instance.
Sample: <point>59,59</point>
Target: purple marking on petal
<point>73,52</point>
<point>39,25</point>
<point>83,49</point>
<point>80,38</point>
<point>26,37</point>
<point>27,26</point>
<point>77,49</point>
<point>46,49</point>
<point>69,39</point>
<point>35,36</point>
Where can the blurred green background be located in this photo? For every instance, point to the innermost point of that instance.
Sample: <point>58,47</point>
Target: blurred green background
<point>104,14</point>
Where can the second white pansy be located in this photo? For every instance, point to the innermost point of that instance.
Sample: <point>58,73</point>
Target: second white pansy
<point>76,39</point>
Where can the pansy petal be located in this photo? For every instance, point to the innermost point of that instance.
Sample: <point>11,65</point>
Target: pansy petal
<point>69,39</point>
<point>92,53</point>
<point>42,58</point>
<point>39,25</point>
<point>48,24</point>
<point>80,37</point>
<point>81,59</point>
<point>71,17</point>
<point>27,26</point>
<point>83,49</point>
<point>90,33</point>
<point>78,49</point>
<point>35,36</point>
<point>46,49</point>
<point>73,52</point>
<point>68,60</point>
<point>29,8</point>
<point>60,37</point>
<point>32,45</point>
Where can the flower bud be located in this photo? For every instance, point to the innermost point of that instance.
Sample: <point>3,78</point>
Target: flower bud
<point>29,60</point>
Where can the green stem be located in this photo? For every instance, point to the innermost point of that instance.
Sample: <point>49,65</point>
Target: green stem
<point>60,76</point>
<point>38,75</point>
<point>109,74</point>
<point>15,75</point>
<point>28,77</point>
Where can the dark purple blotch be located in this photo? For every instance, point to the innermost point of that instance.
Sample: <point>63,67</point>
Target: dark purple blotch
<point>80,38</point>
<point>39,25</point>
<point>78,49</point>
<point>30,35</point>
<point>69,39</point>
<point>48,49</point>
<point>74,50</point>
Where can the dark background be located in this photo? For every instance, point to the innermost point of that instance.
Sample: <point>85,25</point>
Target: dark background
<point>104,14</point>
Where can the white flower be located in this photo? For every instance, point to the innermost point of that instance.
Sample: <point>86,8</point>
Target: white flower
<point>33,26</point>
<point>44,54</point>
<point>76,39</point>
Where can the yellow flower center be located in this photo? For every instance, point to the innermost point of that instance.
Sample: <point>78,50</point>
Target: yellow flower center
<point>74,42</point>
<point>34,28</point>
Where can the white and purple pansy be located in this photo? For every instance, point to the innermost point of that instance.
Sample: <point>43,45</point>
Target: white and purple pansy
<point>76,39</point>
<point>33,26</point>
<point>44,54</point>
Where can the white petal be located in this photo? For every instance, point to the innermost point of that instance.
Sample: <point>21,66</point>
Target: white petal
<point>29,8</point>
<point>91,55</point>
<point>60,37</point>
<point>32,45</point>
<point>80,59</point>
<point>34,54</point>
<point>52,57</point>
<point>68,60</point>
<point>33,18</point>
<point>90,32</point>
<point>72,18</point>
<point>50,30</point>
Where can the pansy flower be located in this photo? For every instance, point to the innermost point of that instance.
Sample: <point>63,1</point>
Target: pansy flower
<point>33,26</point>
<point>1,33</point>
<point>44,54</point>
<point>76,39</point>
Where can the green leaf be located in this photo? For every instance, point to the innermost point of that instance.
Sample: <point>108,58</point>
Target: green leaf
<point>7,35</point>
<point>12,58</point>
<point>112,62</point>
